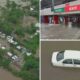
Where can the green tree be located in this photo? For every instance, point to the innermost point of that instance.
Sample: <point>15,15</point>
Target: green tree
<point>20,31</point>
<point>30,63</point>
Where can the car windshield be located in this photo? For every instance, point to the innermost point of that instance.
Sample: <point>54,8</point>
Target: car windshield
<point>60,55</point>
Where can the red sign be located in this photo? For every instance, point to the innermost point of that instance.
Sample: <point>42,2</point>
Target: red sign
<point>72,8</point>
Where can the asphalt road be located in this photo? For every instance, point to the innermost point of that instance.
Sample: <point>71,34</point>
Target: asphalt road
<point>49,72</point>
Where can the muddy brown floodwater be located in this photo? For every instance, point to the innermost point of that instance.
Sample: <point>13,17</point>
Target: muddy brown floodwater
<point>49,72</point>
<point>5,75</point>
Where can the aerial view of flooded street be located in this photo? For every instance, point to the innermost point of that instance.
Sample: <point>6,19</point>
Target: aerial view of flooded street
<point>48,71</point>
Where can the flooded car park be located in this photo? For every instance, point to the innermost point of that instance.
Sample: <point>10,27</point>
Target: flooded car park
<point>50,72</point>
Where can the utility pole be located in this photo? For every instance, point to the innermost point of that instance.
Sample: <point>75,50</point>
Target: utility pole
<point>52,4</point>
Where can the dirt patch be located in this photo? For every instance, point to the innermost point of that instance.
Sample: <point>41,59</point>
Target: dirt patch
<point>28,20</point>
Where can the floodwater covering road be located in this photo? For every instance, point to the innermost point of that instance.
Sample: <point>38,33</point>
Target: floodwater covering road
<point>5,75</point>
<point>49,72</point>
<point>58,31</point>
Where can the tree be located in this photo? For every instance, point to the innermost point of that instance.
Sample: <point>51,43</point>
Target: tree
<point>20,31</point>
<point>32,44</point>
<point>30,69</point>
<point>30,63</point>
<point>5,63</point>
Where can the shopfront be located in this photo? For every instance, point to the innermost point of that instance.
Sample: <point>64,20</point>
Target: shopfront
<point>68,13</point>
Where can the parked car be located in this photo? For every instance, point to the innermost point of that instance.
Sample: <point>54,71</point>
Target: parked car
<point>9,37</point>
<point>15,43</point>
<point>28,53</point>
<point>10,41</point>
<point>19,47</point>
<point>9,54</point>
<point>15,58</point>
<point>3,47</point>
<point>3,35</point>
<point>66,58</point>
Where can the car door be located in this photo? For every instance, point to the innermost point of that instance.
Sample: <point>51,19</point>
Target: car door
<point>67,63</point>
<point>76,62</point>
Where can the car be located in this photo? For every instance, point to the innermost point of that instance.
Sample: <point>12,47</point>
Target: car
<point>28,53</point>
<point>3,47</point>
<point>9,54</point>
<point>66,58</point>
<point>15,43</point>
<point>19,47</point>
<point>11,41</point>
<point>9,37</point>
<point>15,58</point>
<point>3,35</point>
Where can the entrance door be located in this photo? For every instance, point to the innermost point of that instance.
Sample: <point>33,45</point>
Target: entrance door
<point>56,19</point>
<point>46,19</point>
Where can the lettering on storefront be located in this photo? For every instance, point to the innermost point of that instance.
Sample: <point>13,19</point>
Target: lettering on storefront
<point>72,8</point>
<point>59,10</point>
<point>68,8</point>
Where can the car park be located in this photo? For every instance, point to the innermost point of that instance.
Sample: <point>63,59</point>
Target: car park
<point>66,58</point>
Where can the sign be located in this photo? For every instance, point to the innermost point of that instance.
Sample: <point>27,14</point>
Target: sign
<point>72,8</point>
<point>59,10</point>
<point>67,8</point>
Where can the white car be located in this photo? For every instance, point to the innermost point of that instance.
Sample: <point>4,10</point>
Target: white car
<point>3,35</point>
<point>9,37</point>
<point>15,58</point>
<point>19,47</point>
<point>9,54</point>
<point>66,58</point>
<point>3,47</point>
<point>28,53</point>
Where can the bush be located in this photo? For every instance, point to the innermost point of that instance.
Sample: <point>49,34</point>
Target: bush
<point>6,28</point>
<point>20,31</point>
<point>31,30</point>
<point>32,44</point>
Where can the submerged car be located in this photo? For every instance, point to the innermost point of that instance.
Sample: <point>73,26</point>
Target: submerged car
<point>66,58</point>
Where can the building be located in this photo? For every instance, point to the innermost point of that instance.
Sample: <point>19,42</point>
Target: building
<point>65,11</point>
<point>46,10</point>
<point>68,11</point>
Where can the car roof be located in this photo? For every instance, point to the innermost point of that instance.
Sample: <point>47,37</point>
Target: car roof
<point>72,54</point>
